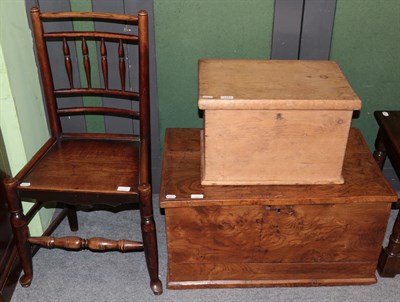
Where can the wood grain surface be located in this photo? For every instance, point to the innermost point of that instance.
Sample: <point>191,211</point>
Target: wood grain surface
<point>103,165</point>
<point>215,275</point>
<point>288,234</point>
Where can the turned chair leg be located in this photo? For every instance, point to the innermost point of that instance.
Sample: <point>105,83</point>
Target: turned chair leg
<point>21,232</point>
<point>149,237</point>
<point>72,218</point>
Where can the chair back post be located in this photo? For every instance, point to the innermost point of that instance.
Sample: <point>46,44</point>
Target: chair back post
<point>144,104</point>
<point>45,71</point>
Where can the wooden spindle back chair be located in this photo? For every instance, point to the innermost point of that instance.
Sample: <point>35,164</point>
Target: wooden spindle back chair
<point>387,144</point>
<point>87,168</point>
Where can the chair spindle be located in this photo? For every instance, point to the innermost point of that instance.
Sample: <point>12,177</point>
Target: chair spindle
<point>121,55</point>
<point>86,61</point>
<point>104,63</point>
<point>68,65</point>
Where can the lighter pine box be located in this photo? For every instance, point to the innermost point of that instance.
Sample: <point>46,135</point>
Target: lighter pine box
<point>274,122</point>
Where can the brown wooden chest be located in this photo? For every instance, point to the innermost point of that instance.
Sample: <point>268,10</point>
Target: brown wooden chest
<point>274,122</point>
<point>249,236</point>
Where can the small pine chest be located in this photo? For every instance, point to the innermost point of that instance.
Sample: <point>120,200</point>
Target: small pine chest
<point>274,122</point>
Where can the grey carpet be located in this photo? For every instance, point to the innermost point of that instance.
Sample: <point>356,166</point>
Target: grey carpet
<point>86,276</point>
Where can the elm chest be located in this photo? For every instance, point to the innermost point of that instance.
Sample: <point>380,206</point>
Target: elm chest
<point>246,236</point>
<point>286,122</point>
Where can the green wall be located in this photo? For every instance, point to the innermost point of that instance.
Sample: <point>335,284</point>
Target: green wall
<point>22,118</point>
<point>187,30</point>
<point>9,123</point>
<point>366,44</point>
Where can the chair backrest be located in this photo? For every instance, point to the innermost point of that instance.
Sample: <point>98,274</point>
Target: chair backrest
<point>102,39</point>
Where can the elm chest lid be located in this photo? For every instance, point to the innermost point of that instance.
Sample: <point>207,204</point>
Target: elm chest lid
<point>274,84</point>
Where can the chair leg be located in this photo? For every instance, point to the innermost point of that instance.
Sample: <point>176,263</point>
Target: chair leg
<point>149,237</point>
<point>72,218</point>
<point>21,232</point>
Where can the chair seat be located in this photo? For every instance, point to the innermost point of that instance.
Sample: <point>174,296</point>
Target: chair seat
<point>86,165</point>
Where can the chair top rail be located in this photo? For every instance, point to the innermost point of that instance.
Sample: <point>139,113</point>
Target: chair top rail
<point>91,34</point>
<point>89,15</point>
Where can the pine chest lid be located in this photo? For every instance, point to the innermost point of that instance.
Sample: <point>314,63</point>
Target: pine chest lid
<point>274,84</point>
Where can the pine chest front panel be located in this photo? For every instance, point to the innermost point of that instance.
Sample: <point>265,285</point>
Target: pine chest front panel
<point>274,146</point>
<point>224,246</point>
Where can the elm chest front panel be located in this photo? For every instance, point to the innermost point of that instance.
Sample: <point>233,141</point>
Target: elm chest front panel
<point>286,122</point>
<point>275,235</point>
